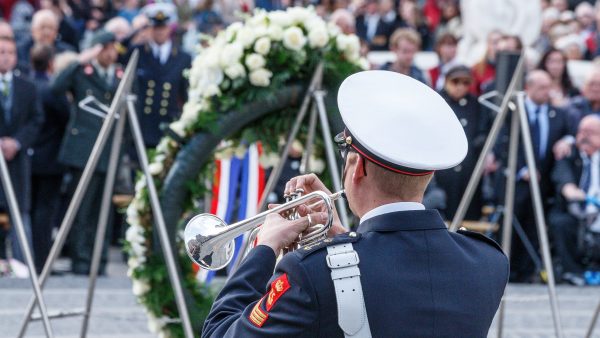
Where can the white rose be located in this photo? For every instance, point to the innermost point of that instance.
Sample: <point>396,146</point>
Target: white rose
<point>260,77</point>
<point>190,113</point>
<point>299,14</point>
<point>231,54</point>
<point>140,287</point>
<point>210,76</point>
<point>236,70</point>
<point>211,90</point>
<point>133,263</point>
<point>133,217</point>
<point>341,42</point>
<point>318,38</point>
<point>333,29</point>
<point>363,63</point>
<point>178,127</point>
<point>154,324</point>
<point>275,32</point>
<point>155,168</point>
<point>134,232</point>
<point>140,184</point>
<point>293,38</point>
<point>280,18</point>
<point>162,147</point>
<point>316,165</point>
<point>353,46</point>
<point>259,18</point>
<point>137,249</point>
<point>211,57</point>
<point>246,37</point>
<point>262,46</point>
<point>232,30</point>
<point>255,61</point>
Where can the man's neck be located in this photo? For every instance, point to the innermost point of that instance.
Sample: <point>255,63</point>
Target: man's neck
<point>369,203</point>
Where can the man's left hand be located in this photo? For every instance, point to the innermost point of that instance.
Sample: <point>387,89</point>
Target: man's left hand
<point>278,232</point>
<point>10,147</point>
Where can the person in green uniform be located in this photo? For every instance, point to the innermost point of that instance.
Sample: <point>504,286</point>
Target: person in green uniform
<point>95,74</point>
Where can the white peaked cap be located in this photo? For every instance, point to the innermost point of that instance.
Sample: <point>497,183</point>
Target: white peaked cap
<point>400,123</point>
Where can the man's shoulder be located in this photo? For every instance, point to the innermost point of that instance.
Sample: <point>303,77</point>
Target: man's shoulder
<point>319,247</point>
<point>481,239</point>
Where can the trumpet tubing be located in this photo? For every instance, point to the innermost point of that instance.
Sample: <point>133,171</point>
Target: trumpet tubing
<point>210,241</point>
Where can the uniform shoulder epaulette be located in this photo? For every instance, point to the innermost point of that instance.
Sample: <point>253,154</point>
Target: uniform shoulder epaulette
<point>481,237</point>
<point>348,237</point>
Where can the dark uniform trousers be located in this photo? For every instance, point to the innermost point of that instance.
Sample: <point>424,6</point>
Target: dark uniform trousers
<point>81,133</point>
<point>418,280</point>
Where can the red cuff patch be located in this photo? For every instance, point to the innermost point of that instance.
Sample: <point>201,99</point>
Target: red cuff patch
<point>258,316</point>
<point>278,288</point>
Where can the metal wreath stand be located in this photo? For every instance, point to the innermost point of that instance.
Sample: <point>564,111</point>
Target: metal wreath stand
<point>122,96</point>
<point>519,125</point>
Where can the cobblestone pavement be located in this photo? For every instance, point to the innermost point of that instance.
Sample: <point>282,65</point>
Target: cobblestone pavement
<point>116,314</point>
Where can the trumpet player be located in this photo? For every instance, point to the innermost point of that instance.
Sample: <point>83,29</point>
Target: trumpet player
<point>402,273</point>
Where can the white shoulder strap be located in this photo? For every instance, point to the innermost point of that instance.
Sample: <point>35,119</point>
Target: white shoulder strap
<point>352,313</point>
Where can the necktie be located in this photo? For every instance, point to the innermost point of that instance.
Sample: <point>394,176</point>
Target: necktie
<point>4,100</point>
<point>586,175</point>
<point>535,133</point>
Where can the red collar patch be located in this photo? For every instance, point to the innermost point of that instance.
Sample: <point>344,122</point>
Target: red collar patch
<point>88,70</point>
<point>278,288</point>
<point>258,316</point>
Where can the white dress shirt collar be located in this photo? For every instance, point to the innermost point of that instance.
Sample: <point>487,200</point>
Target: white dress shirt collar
<point>8,76</point>
<point>392,207</point>
<point>163,50</point>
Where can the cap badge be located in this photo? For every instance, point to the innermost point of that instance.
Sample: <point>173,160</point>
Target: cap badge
<point>160,15</point>
<point>349,140</point>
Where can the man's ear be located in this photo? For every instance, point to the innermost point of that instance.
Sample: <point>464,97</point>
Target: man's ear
<point>359,169</point>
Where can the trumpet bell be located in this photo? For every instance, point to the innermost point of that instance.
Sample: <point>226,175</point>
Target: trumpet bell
<point>202,244</point>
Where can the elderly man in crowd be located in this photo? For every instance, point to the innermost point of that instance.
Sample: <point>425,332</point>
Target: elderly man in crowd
<point>548,125</point>
<point>44,30</point>
<point>589,101</point>
<point>574,179</point>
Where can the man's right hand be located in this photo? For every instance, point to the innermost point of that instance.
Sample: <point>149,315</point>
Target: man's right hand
<point>89,54</point>
<point>572,193</point>
<point>310,183</point>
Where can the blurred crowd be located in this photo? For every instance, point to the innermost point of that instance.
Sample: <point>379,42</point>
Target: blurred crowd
<point>55,53</point>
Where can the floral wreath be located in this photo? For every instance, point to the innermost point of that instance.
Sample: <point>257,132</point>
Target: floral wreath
<point>242,64</point>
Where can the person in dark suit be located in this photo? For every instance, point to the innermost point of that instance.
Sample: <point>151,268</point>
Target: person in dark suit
<point>99,77</point>
<point>160,85</point>
<point>402,273</point>
<point>20,121</point>
<point>371,27</point>
<point>474,121</point>
<point>574,179</point>
<point>47,171</point>
<point>547,125</point>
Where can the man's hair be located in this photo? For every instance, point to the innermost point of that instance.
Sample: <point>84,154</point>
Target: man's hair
<point>392,184</point>
<point>407,34</point>
<point>44,14</point>
<point>41,56</point>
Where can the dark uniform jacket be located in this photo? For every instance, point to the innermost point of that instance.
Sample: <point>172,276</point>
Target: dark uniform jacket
<point>26,120</point>
<point>380,40</point>
<point>83,80</point>
<point>161,90</point>
<point>418,280</point>
<point>454,181</point>
<point>49,139</point>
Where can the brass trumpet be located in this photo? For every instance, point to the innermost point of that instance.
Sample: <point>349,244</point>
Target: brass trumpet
<point>210,241</point>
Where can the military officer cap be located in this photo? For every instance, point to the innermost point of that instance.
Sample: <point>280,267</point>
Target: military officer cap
<point>160,14</point>
<point>459,72</point>
<point>399,123</point>
<point>102,37</point>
